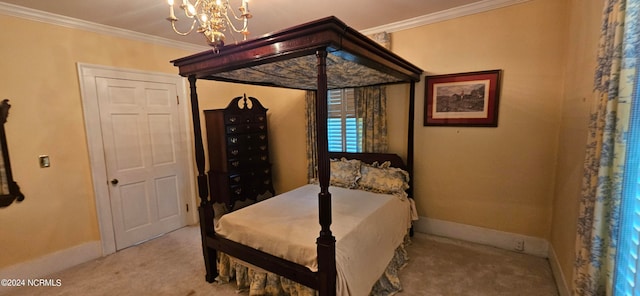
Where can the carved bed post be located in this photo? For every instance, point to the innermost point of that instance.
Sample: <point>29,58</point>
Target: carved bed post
<point>205,210</point>
<point>326,241</point>
<point>412,105</point>
<point>412,100</point>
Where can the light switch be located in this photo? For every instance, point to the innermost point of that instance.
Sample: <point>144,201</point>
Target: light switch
<point>44,161</point>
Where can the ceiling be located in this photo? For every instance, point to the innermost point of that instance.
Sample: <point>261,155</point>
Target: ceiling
<point>149,16</point>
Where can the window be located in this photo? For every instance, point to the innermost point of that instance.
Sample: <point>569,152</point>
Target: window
<point>627,275</point>
<point>344,128</point>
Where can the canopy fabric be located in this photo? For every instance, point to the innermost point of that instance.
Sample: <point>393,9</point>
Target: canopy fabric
<point>288,59</point>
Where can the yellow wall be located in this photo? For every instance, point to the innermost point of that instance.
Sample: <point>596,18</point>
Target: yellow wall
<point>499,178</point>
<point>525,175</point>
<point>585,20</point>
<point>40,79</point>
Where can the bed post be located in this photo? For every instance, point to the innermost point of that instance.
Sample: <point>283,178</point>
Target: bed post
<point>412,100</point>
<point>412,106</point>
<point>326,241</point>
<point>205,210</point>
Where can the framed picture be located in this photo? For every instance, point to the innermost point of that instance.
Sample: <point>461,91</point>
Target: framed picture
<point>463,99</point>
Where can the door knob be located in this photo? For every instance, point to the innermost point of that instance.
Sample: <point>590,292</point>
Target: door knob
<point>114,181</point>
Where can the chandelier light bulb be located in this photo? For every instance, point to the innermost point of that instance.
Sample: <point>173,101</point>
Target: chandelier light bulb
<point>192,9</point>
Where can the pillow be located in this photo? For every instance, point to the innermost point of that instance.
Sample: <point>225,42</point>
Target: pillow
<point>345,173</point>
<point>383,179</point>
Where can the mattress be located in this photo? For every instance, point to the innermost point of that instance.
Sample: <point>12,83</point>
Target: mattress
<point>368,227</point>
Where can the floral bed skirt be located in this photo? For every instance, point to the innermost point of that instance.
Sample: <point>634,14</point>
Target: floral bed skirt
<point>261,283</point>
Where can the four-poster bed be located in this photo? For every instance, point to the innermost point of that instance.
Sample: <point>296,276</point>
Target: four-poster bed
<point>320,55</point>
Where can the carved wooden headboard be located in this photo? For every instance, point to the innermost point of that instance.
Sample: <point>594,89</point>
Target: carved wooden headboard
<point>369,157</point>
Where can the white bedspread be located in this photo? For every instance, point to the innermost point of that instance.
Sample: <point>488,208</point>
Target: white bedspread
<point>368,228</point>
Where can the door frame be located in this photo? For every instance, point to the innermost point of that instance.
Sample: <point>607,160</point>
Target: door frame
<point>87,74</point>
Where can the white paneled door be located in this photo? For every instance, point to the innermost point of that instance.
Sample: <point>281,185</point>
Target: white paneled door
<point>144,164</point>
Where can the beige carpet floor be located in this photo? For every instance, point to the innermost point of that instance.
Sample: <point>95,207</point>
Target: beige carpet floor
<point>172,265</point>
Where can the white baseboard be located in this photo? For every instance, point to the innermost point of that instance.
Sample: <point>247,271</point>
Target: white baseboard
<point>558,275</point>
<point>58,261</point>
<point>52,263</point>
<point>500,239</point>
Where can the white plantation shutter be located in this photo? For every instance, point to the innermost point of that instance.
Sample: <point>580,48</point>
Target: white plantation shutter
<point>343,127</point>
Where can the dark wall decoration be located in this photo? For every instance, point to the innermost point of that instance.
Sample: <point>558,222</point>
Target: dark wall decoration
<point>9,190</point>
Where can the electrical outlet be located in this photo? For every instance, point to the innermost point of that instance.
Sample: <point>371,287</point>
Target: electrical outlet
<point>518,245</point>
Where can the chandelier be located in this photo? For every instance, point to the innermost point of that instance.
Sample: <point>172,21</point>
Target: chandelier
<point>213,18</point>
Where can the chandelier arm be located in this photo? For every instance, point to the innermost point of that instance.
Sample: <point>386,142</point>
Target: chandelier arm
<point>235,16</point>
<point>193,25</point>
<point>234,27</point>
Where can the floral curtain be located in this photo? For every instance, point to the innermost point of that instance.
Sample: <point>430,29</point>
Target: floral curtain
<point>312,153</point>
<point>371,106</point>
<point>599,213</point>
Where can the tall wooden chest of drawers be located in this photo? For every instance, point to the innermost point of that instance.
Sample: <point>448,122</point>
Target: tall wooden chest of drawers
<point>238,145</point>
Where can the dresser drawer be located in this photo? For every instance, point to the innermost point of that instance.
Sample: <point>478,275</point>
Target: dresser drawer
<point>253,178</point>
<point>234,119</point>
<point>244,151</point>
<point>248,162</point>
<point>244,118</point>
<point>246,128</point>
<point>246,140</point>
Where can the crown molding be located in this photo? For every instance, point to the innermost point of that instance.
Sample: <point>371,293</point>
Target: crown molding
<point>444,15</point>
<point>64,21</point>
<point>55,19</point>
